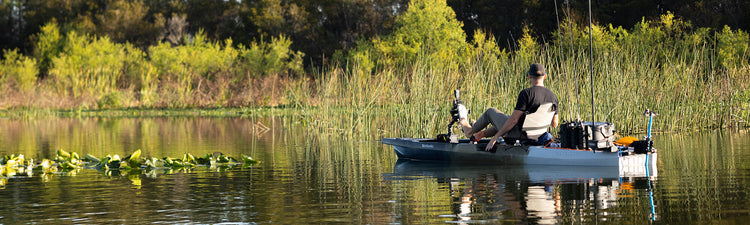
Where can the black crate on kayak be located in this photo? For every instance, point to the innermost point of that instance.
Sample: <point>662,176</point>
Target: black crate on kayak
<point>642,147</point>
<point>572,135</point>
<point>587,135</point>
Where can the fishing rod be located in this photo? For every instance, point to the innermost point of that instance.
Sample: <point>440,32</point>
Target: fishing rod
<point>591,66</point>
<point>578,88</point>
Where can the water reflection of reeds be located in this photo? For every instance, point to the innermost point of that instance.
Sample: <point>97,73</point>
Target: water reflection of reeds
<point>157,137</point>
<point>313,174</point>
<point>704,175</point>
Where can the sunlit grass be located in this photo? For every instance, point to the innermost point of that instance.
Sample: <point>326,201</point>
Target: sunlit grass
<point>695,79</point>
<point>681,84</point>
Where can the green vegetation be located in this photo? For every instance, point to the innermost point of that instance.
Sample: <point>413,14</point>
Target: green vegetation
<point>18,69</point>
<point>124,113</point>
<point>69,163</point>
<point>426,27</point>
<point>656,66</point>
<point>401,81</point>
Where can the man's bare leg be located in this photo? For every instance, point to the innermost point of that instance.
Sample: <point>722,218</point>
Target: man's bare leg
<point>466,127</point>
<point>479,135</point>
<point>468,132</point>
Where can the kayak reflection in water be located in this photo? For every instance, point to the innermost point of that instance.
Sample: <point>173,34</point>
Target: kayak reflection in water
<point>487,199</point>
<point>531,194</point>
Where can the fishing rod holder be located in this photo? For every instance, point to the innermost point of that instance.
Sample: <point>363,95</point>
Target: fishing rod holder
<point>455,117</point>
<point>647,145</point>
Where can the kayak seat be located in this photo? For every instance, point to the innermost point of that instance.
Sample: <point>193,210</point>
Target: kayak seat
<point>536,124</point>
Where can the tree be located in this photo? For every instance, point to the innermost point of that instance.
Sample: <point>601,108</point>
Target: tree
<point>501,19</point>
<point>219,19</point>
<point>126,21</point>
<point>320,27</point>
<point>10,24</point>
<point>346,22</point>
<point>69,14</point>
<point>427,27</point>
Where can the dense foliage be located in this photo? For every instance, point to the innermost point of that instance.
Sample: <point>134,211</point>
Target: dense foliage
<point>185,54</point>
<point>320,28</point>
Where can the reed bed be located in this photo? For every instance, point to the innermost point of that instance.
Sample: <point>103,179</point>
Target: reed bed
<point>694,78</point>
<point>684,82</point>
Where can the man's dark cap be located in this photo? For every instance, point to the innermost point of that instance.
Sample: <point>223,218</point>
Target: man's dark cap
<point>537,69</point>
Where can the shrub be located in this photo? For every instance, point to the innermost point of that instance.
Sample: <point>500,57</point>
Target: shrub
<point>139,73</point>
<point>49,45</point>
<point>112,100</point>
<point>484,48</point>
<point>88,65</point>
<point>187,66</point>
<point>732,47</point>
<point>427,27</point>
<point>206,58</point>
<point>261,58</point>
<point>18,68</point>
<point>198,57</point>
<point>527,46</point>
<point>646,35</point>
<point>169,66</point>
<point>362,57</point>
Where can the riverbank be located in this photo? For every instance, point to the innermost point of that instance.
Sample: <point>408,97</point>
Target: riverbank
<point>694,78</point>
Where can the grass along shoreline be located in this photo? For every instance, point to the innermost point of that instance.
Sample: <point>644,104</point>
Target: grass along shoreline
<point>204,112</point>
<point>694,78</point>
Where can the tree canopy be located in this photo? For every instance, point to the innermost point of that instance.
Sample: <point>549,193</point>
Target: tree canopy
<point>319,28</point>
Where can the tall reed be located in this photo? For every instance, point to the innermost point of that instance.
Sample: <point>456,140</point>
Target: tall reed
<point>695,78</point>
<point>679,78</point>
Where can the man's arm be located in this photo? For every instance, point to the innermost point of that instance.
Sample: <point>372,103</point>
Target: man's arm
<point>555,122</point>
<point>512,121</point>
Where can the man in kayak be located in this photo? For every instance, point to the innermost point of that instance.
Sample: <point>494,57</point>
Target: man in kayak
<point>503,125</point>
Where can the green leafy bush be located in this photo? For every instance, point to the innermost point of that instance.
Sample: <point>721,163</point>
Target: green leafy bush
<point>732,47</point>
<point>261,58</point>
<point>206,58</point>
<point>111,101</point>
<point>484,48</point>
<point>187,66</point>
<point>18,68</point>
<point>198,58</point>
<point>49,45</point>
<point>428,27</point>
<point>527,46</point>
<point>88,65</point>
<point>363,57</point>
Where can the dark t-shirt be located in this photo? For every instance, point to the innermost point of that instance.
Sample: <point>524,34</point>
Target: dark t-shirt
<point>531,98</point>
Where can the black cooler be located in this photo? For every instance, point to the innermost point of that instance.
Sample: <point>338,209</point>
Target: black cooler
<point>588,135</point>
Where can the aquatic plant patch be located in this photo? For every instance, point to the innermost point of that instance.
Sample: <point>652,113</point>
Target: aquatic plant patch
<point>70,163</point>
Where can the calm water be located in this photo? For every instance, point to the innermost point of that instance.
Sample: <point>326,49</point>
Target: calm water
<point>312,178</point>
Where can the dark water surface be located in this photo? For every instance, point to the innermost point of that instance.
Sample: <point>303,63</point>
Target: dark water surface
<point>308,177</point>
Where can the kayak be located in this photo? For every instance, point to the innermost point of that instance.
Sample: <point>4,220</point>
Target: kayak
<point>580,144</point>
<point>405,169</point>
<point>465,151</point>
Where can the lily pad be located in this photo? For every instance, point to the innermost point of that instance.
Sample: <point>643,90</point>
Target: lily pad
<point>249,160</point>
<point>91,158</point>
